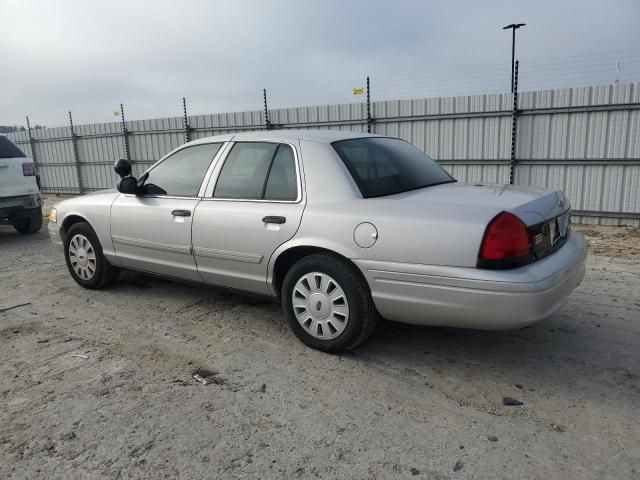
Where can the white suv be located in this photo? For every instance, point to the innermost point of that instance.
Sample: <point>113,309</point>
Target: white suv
<point>20,200</point>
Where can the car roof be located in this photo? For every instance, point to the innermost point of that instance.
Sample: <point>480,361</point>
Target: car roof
<point>324,136</point>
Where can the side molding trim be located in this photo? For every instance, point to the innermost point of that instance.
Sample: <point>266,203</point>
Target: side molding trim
<point>228,255</point>
<point>138,242</point>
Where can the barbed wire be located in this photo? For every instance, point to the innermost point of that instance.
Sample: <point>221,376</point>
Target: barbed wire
<point>535,74</point>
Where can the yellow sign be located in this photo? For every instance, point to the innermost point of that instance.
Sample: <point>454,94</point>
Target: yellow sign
<point>358,91</point>
<point>116,113</point>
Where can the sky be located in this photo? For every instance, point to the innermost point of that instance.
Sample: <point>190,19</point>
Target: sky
<point>89,56</point>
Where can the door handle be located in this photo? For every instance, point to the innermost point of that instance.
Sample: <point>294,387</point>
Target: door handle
<point>181,213</point>
<point>274,219</point>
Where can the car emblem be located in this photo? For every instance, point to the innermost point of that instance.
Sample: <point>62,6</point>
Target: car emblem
<point>560,203</point>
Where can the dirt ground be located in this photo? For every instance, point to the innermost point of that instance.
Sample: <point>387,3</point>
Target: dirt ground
<point>412,402</point>
<point>612,241</point>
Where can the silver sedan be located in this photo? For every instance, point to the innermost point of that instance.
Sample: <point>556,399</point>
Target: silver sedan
<point>343,228</point>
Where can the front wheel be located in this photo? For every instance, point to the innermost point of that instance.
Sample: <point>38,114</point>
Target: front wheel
<point>328,303</point>
<point>85,261</point>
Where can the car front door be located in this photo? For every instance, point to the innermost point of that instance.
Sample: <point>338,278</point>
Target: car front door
<point>152,231</point>
<point>253,204</point>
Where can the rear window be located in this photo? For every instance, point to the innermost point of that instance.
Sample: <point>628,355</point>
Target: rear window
<point>8,149</point>
<point>384,166</point>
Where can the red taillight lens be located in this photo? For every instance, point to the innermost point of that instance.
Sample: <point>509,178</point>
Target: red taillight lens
<point>506,243</point>
<point>28,169</point>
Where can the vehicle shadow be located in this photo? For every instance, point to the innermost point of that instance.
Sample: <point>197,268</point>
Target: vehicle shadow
<point>9,236</point>
<point>588,349</point>
<point>569,355</point>
<point>570,351</point>
<point>132,280</point>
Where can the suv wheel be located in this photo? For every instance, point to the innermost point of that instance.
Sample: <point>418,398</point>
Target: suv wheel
<point>32,224</point>
<point>85,261</point>
<point>328,303</point>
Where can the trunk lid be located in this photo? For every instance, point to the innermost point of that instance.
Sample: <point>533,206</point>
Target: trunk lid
<point>532,205</point>
<point>547,214</point>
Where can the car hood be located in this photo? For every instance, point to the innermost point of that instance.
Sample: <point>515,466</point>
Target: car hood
<point>93,199</point>
<point>533,205</point>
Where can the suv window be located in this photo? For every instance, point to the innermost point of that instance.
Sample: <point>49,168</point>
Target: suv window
<point>256,171</point>
<point>8,149</point>
<point>384,166</point>
<point>182,173</point>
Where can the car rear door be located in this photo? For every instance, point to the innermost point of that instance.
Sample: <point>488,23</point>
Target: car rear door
<point>152,231</point>
<point>254,204</point>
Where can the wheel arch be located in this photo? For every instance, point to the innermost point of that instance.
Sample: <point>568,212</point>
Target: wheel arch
<point>286,257</point>
<point>69,221</point>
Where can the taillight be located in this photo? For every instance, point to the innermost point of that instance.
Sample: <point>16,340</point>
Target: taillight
<point>28,169</point>
<point>506,243</point>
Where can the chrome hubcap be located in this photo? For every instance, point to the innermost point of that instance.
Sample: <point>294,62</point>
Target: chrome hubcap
<point>82,257</point>
<point>320,305</point>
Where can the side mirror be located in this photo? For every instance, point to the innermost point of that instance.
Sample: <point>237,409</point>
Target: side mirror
<point>122,167</point>
<point>128,185</point>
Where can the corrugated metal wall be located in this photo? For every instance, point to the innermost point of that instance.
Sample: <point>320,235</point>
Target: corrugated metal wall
<point>592,154</point>
<point>469,136</point>
<point>585,141</point>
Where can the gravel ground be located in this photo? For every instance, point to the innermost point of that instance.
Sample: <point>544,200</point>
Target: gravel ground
<point>413,401</point>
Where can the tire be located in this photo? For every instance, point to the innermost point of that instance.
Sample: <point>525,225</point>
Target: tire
<point>33,224</point>
<point>85,260</point>
<point>343,324</point>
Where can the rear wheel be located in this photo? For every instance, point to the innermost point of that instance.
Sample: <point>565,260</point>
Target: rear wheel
<point>85,261</point>
<point>328,303</point>
<point>31,224</point>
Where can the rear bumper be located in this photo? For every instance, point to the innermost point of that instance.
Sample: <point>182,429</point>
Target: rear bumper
<point>13,209</point>
<point>476,298</point>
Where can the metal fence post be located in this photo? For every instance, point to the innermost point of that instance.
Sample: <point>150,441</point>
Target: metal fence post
<point>369,119</point>
<point>514,126</point>
<point>266,110</point>
<point>76,156</point>
<point>125,134</point>
<point>32,144</point>
<point>34,155</point>
<point>185,121</point>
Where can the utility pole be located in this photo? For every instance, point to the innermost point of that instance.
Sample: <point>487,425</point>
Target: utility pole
<point>513,27</point>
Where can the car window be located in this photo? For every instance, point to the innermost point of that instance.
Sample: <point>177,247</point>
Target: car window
<point>384,166</point>
<point>182,173</point>
<point>256,170</point>
<point>281,183</point>
<point>8,149</point>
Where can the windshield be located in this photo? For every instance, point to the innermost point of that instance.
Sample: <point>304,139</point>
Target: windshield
<point>384,166</point>
<point>8,149</point>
